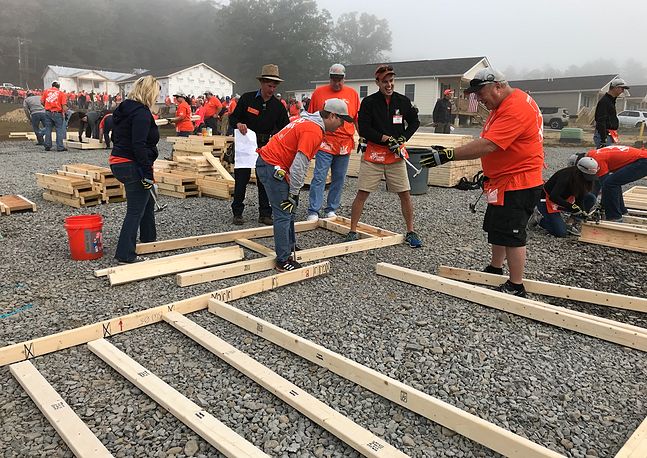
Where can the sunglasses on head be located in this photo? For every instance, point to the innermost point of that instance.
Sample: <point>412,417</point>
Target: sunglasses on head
<point>384,68</point>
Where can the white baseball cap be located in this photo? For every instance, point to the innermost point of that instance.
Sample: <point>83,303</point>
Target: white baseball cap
<point>339,107</point>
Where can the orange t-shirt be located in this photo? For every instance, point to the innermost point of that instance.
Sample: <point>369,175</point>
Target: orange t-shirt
<point>53,99</point>
<point>613,158</point>
<point>184,111</point>
<point>300,135</point>
<point>232,106</point>
<point>516,127</point>
<point>212,107</point>
<point>339,142</point>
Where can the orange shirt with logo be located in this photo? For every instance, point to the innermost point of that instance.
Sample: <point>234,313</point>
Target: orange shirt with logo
<point>185,124</point>
<point>613,158</point>
<point>53,99</point>
<point>516,128</point>
<point>300,135</point>
<point>339,142</point>
<point>232,106</point>
<point>212,107</point>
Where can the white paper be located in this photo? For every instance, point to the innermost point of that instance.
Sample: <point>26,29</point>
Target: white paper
<point>245,147</point>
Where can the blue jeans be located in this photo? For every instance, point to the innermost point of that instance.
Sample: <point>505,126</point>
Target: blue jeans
<point>598,140</point>
<point>54,119</point>
<point>139,211</point>
<point>38,120</point>
<point>277,191</point>
<point>554,223</point>
<point>612,200</point>
<point>338,166</point>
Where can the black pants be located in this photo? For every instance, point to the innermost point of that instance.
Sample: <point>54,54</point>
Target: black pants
<point>213,123</point>
<point>242,178</point>
<point>108,124</point>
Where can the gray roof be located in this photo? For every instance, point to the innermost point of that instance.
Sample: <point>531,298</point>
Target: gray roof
<point>411,68</point>
<point>574,83</point>
<point>73,71</point>
<point>166,72</point>
<point>638,91</point>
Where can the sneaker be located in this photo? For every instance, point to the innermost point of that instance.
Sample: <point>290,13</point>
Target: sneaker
<point>267,220</point>
<point>535,218</point>
<point>510,288</point>
<point>60,150</point>
<point>413,240</point>
<point>573,229</point>
<point>288,265</point>
<point>133,261</point>
<point>312,217</point>
<point>331,214</point>
<point>48,149</point>
<point>238,220</point>
<point>351,237</point>
<point>615,220</point>
<point>490,269</point>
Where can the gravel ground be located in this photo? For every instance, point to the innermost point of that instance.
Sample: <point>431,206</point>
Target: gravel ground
<point>572,393</point>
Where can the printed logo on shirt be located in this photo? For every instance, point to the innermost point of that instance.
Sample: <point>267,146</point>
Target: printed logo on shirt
<point>253,111</point>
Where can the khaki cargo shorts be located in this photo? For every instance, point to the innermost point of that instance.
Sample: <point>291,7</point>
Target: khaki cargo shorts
<point>371,174</point>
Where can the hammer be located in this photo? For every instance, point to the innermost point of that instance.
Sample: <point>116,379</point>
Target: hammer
<point>158,207</point>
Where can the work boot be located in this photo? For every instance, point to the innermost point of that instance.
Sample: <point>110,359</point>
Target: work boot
<point>267,220</point>
<point>238,220</point>
<point>512,288</point>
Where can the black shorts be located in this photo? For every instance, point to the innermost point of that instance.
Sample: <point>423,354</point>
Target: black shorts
<point>506,224</point>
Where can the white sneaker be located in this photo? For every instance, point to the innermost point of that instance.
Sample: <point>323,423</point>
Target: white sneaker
<point>312,217</point>
<point>331,215</point>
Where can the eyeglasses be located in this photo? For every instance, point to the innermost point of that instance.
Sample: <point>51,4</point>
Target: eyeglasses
<point>336,77</point>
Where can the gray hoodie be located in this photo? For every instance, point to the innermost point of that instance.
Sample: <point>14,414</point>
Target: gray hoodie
<point>32,105</point>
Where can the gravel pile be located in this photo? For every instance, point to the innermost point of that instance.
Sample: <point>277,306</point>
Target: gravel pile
<point>574,394</point>
<point>17,115</point>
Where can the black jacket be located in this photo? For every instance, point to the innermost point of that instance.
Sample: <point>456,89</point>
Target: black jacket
<point>562,185</point>
<point>375,118</point>
<point>135,135</point>
<point>264,118</point>
<point>443,111</point>
<point>605,116</point>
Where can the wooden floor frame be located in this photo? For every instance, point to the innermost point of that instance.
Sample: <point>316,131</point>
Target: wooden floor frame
<point>630,336</point>
<point>617,235</point>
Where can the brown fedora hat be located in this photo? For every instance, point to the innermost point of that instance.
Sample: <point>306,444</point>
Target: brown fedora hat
<point>270,72</point>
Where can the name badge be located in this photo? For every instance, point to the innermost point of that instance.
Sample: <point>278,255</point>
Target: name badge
<point>253,111</point>
<point>397,119</point>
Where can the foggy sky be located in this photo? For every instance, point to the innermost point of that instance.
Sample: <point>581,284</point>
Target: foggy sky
<point>519,33</point>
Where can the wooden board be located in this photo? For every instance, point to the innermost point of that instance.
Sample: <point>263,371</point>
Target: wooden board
<point>76,202</point>
<point>638,304</point>
<point>15,203</point>
<point>636,446</point>
<point>76,145</point>
<point>76,435</point>
<point>217,165</point>
<point>362,440</point>
<point>620,333</point>
<point>188,412</point>
<point>636,197</point>
<point>617,235</point>
<point>464,423</point>
<point>35,347</point>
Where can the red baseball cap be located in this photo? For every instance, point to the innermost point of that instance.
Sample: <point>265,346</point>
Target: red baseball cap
<point>447,92</point>
<point>383,70</point>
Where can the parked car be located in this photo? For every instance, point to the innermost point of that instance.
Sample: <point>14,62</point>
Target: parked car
<point>7,86</point>
<point>554,117</point>
<point>632,118</point>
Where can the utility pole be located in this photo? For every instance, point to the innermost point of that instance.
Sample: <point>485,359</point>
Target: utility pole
<point>23,61</point>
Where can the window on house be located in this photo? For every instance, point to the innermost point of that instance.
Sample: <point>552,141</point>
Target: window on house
<point>586,101</point>
<point>410,91</point>
<point>363,91</point>
<point>97,84</point>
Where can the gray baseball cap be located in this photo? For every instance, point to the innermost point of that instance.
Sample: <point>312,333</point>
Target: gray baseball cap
<point>339,107</point>
<point>485,76</point>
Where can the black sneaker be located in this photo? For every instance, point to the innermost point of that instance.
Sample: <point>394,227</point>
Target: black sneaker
<point>238,220</point>
<point>288,265</point>
<point>511,288</point>
<point>59,150</point>
<point>351,237</point>
<point>133,261</point>
<point>490,269</point>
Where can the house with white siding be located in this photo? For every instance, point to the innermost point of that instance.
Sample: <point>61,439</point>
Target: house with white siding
<point>84,79</point>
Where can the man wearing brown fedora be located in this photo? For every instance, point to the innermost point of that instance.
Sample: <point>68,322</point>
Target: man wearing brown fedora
<point>264,114</point>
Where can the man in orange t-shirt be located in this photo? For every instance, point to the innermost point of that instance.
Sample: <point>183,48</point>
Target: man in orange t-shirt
<point>55,103</point>
<point>512,156</point>
<point>212,108</point>
<point>183,124</point>
<point>335,150</point>
<point>282,165</point>
<point>619,165</point>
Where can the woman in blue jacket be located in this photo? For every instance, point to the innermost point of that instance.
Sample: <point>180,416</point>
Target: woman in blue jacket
<point>135,137</point>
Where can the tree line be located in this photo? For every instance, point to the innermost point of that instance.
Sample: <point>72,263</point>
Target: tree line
<point>236,38</point>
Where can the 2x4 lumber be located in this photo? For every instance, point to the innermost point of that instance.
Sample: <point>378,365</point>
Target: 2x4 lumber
<point>216,164</point>
<point>255,246</point>
<point>436,410</point>
<point>54,342</point>
<point>340,226</point>
<point>617,235</point>
<point>195,277</point>
<point>635,220</point>
<point>362,440</point>
<point>620,333</point>
<point>590,296</point>
<point>188,412</point>
<point>174,264</point>
<point>221,237</point>
<point>60,415</point>
<point>636,446</point>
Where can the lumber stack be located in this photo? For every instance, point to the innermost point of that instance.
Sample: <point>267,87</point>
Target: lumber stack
<point>89,143</point>
<point>211,177</point>
<point>448,175</point>
<point>196,145</point>
<point>104,181</point>
<point>177,184</point>
<point>24,135</point>
<point>618,235</point>
<point>15,203</point>
<point>636,197</point>
<point>75,191</point>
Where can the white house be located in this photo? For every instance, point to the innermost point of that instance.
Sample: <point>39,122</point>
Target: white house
<point>423,81</point>
<point>83,79</point>
<point>193,80</point>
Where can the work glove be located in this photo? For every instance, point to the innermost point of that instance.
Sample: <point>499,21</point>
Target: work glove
<point>575,210</point>
<point>147,183</point>
<point>439,156</point>
<point>290,204</point>
<point>393,144</point>
<point>402,139</point>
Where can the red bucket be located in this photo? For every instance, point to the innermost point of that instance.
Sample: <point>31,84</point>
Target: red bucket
<point>84,233</point>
